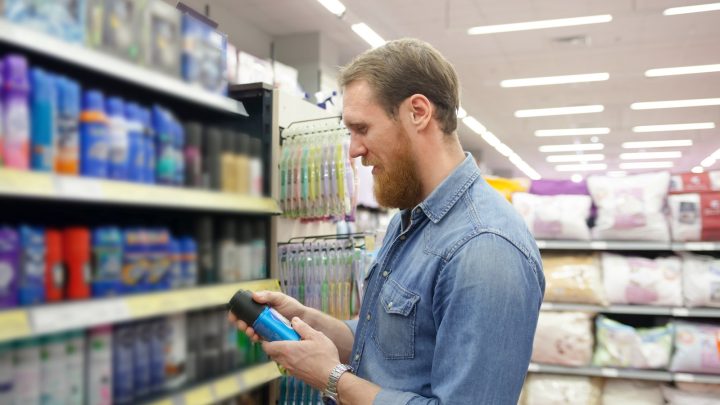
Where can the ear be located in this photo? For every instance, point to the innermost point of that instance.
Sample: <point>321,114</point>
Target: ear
<point>420,111</point>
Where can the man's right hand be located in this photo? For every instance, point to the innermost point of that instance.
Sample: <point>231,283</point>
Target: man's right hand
<point>287,306</point>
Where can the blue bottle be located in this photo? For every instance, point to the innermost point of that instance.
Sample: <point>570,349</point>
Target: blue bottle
<point>117,133</point>
<point>141,359</point>
<point>94,141</point>
<point>266,321</point>
<point>164,146</point>
<point>123,364</point>
<point>136,146</point>
<point>188,261</point>
<point>179,149</point>
<point>174,274</point>
<point>135,264</point>
<point>107,249</point>
<point>158,339</point>
<point>149,143</point>
<point>32,267</point>
<point>67,135</point>
<point>42,120</point>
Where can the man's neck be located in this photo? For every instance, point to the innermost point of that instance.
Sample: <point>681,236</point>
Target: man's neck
<point>434,166</point>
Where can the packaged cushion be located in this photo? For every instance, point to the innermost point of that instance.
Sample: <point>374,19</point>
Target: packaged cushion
<point>695,182</point>
<point>630,208</point>
<point>573,278</point>
<point>563,338</point>
<point>677,397</point>
<point>701,281</point>
<point>558,187</point>
<point>695,217</point>
<point>642,281</point>
<point>547,389</point>
<point>701,388</point>
<point>620,345</point>
<point>620,392</point>
<point>506,187</point>
<point>697,348</point>
<point>555,217</point>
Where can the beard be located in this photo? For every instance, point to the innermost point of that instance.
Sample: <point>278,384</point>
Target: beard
<point>397,185</point>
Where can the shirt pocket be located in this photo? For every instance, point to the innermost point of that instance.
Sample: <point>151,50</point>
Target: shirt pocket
<point>394,332</point>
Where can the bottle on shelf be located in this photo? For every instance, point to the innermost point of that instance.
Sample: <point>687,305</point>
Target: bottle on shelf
<point>149,146</point>
<point>16,141</point>
<point>42,113</point>
<point>212,162</point>
<point>32,265</point>
<point>179,153</point>
<point>256,168</point>
<point>107,251</point>
<point>242,162</point>
<point>176,351</point>
<point>6,373</point>
<point>10,250</point>
<point>54,269</point>
<point>94,139</point>
<point>226,257</point>
<point>229,164</point>
<point>27,379</point>
<point>52,369</point>
<point>136,144</point>
<point>75,367</point>
<point>76,251</point>
<point>67,140</point>
<point>123,346</point>
<point>189,261</point>
<point>99,368</point>
<point>192,154</point>
<point>164,146</point>
<point>207,269</point>
<point>244,250</point>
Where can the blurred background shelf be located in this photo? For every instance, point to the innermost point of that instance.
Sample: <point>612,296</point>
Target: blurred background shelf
<point>611,372</point>
<point>627,245</point>
<point>65,316</point>
<point>224,387</point>
<point>635,310</point>
<point>27,184</point>
<point>116,68</point>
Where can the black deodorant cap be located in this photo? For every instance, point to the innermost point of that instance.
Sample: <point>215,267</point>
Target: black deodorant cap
<point>244,307</point>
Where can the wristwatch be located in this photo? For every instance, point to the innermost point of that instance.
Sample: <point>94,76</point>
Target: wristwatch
<point>330,395</point>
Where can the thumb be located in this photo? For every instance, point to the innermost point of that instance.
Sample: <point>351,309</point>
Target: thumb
<point>304,330</point>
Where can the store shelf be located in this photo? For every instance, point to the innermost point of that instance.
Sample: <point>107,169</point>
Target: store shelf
<point>78,55</point>
<point>224,387</point>
<point>53,318</point>
<point>611,372</point>
<point>627,245</point>
<point>679,312</point>
<point>696,246</point>
<point>28,184</point>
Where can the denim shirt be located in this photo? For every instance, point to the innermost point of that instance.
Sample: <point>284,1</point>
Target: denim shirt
<point>451,303</point>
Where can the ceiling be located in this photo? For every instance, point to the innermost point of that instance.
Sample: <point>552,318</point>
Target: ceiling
<point>638,38</point>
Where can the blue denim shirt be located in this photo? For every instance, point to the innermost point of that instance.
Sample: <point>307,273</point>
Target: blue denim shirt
<point>452,300</point>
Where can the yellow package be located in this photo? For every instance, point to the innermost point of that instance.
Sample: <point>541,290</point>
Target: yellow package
<point>507,187</point>
<point>573,278</point>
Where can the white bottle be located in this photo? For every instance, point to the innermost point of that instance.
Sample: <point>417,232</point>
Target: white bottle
<point>52,371</point>
<point>75,368</point>
<point>176,351</point>
<point>256,168</point>
<point>99,366</point>
<point>227,253</point>
<point>26,376</point>
<point>244,251</point>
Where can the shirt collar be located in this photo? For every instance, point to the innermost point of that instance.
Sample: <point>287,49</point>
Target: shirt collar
<point>444,197</point>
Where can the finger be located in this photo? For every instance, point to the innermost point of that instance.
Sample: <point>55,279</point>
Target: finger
<point>231,317</point>
<point>241,325</point>
<point>271,298</point>
<point>304,330</point>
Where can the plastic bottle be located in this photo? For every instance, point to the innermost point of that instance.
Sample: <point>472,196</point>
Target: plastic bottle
<point>258,249</point>
<point>192,154</point>
<point>32,265</point>
<point>67,139</point>
<point>94,138</point>
<point>211,344</point>
<point>42,113</point>
<point>98,373</point>
<point>230,357</point>
<point>76,251</point>
<point>118,134</point>
<point>242,163</point>
<point>123,366</point>
<point>175,272</point>
<point>9,267</point>
<point>107,247</point>
<point>141,359</point>
<point>179,149</point>
<point>52,370</point>
<point>159,259</point>
<point>244,251</point>
<point>226,256</point>
<point>158,336</point>
<point>2,111</point>
<point>149,142</point>
<point>256,168</point>
<point>26,376</point>
<point>6,373</point>
<point>134,270</point>
<point>16,141</point>
<point>193,337</point>
<point>136,146</point>
<point>212,162</point>
<point>189,261</point>
<point>164,147</point>
<point>229,167</point>
<point>208,273</point>
<point>54,271</point>
<point>176,351</point>
<point>267,322</point>
<point>75,368</point>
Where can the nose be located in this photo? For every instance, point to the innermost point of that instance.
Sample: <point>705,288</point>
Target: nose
<point>357,149</point>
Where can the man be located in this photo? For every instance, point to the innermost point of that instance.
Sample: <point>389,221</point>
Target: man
<point>452,301</point>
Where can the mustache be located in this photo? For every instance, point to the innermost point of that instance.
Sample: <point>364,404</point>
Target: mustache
<point>366,162</point>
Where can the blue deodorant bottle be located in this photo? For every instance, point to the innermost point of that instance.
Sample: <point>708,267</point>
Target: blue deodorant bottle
<point>267,322</point>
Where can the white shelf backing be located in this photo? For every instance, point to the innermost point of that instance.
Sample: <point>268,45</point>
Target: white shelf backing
<point>30,184</point>
<point>679,312</point>
<point>224,387</point>
<point>627,245</point>
<point>78,55</point>
<point>611,372</point>
<point>53,318</point>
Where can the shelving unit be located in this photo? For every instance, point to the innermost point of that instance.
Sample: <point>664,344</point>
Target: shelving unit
<point>611,372</point>
<point>680,312</point>
<point>599,245</point>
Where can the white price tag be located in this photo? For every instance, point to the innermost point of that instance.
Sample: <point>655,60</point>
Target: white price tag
<point>77,315</point>
<point>683,377</point>
<point>680,312</point>
<point>547,306</point>
<point>533,368</point>
<point>77,188</point>
<point>541,244</point>
<point>609,372</point>
<point>700,246</point>
<point>598,245</point>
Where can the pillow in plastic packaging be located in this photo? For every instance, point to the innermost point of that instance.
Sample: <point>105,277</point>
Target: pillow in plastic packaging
<point>631,208</point>
<point>642,281</point>
<point>555,217</point>
<point>697,348</point>
<point>700,388</point>
<point>695,182</point>
<point>563,338</point>
<point>620,345</point>
<point>635,392</point>
<point>546,389</point>
<point>574,278</point>
<point>677,397</point>
<point>695,217</point>
<point>701,281</point>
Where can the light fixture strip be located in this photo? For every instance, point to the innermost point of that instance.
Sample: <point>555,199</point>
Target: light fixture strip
<point>541,24</point>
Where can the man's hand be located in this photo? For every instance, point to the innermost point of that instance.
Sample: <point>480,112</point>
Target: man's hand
<point>287,306</point>
<point>311,359</point>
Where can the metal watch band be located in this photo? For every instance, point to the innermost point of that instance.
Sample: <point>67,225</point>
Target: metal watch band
<point>335,375</point>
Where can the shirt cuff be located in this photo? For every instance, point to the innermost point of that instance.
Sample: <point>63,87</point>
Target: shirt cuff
<point>393,397</point>
<point>352,324</point>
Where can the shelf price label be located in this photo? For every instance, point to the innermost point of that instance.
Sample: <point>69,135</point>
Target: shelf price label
<point>683,312</point>
<point>14,324</point>
<point>199,396</point>
<point>77,315</point>
<point>76,188</point>
<point>227,387</point>
<point>598,245</point>
<point>683,377</point>
<point>609,372</point>
<point>533,368</point>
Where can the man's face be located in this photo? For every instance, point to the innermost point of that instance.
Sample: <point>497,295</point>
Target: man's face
<point>383,143</point>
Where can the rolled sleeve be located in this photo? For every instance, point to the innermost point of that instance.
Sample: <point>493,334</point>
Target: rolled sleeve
<point>352,324</point>
<point>393,397</point>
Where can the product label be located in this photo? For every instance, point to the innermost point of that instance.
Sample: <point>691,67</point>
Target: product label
<point>710,203</point>
<point>67,139</point>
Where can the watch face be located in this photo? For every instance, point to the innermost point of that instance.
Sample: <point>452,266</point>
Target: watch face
<point>329,400</point>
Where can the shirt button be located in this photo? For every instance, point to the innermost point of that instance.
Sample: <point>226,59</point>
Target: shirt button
<point>403,237</point>
<point>385,273</point>
<point>390,305</point>
<point>357,357</point>
<point>368,317</point>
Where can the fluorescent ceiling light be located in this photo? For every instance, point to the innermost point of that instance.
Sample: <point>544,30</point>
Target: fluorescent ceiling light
<point>652,105</point>
<point>367,33</point>
<point>572,132</point>
<point>474,125</point>
<point>334,6</point>
<point>697,169</point>
<point>616,173</point>
<point>716,154</point>
<point>573,147</point>
<point>542,24</point>
<point>674,127</point>
<point>708,161</point>
<point>692,9</point>
<point>646,165</point>
<point>592,157</point>
<point>491,139</point>
<point>461,113</point>
<point>657,144</point>
<point>576,178</point>
<point>544,81</point>
<point>543,112</point>
<point>682,70</point>
<point>651,155</point>
<point>524,167</point>
<point>581,167</point>
<point>504,150</point>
